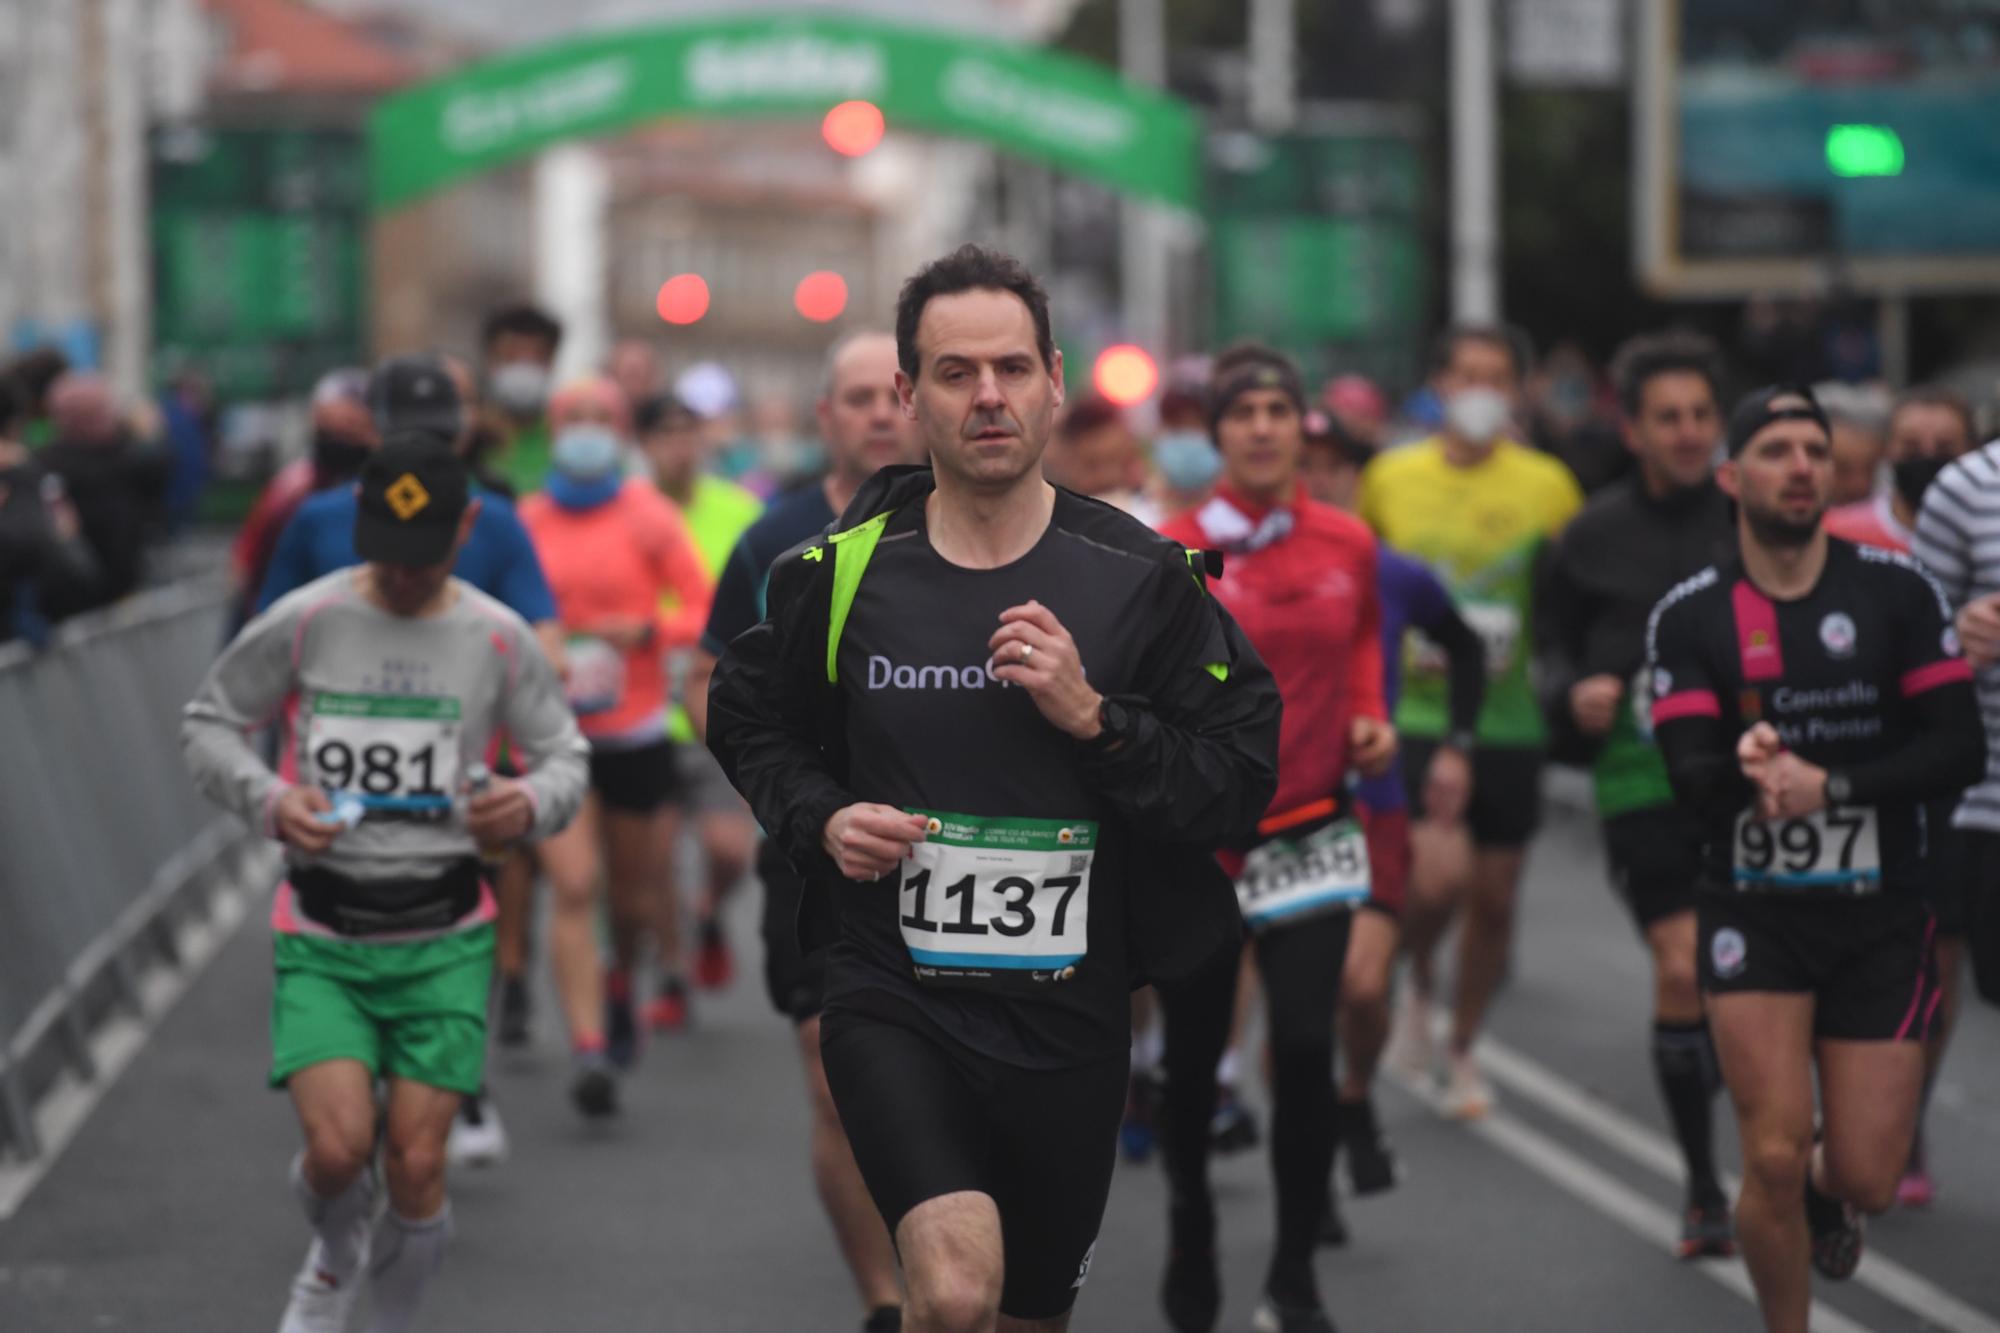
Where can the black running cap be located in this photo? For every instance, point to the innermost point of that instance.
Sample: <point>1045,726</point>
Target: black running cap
<point>1766,405</point>
<point>414,490</point>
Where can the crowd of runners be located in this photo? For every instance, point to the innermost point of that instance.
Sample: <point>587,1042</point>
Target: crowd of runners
<point>1083,783</point>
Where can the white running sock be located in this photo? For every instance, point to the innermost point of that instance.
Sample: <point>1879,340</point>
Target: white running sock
<point>1148,1044</point>
<point>335,1221</point>
<point>407,1256</point>
<point>1226,1067</point>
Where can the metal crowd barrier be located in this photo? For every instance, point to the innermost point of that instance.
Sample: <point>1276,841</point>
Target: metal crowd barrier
<point>106,849</point>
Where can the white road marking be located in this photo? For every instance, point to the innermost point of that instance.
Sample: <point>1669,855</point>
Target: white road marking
<point>1611,1197</point>
<point>1647,1147</point>
<point>61,1113</point>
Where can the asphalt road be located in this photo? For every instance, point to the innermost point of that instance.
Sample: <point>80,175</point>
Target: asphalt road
<point>694,1211</point>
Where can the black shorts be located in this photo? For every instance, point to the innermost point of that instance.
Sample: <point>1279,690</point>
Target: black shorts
<point>1870,964</point>
<point>1655,858</point>
<point>927,1116</point>
<point>794,979</point>
<point>636,780</point>
<point>1506,804</point>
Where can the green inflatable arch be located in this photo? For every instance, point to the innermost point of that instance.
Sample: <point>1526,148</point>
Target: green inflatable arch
<point>1071,113</point>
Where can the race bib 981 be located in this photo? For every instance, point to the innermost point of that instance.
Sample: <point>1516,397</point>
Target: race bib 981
<point>397,753</point>
<point>997,901</point>
<point>1836,850</point>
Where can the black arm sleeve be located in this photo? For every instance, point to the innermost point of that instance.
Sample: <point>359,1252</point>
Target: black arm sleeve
<point>1945,754</point>
<point>1561,621</point>
<point>1702,766</point>
<point>1464,669</point>
<point>763,716</point>
<point>1201,764</point>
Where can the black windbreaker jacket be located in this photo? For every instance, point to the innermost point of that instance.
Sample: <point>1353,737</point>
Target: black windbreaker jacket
<point>1197,773</point>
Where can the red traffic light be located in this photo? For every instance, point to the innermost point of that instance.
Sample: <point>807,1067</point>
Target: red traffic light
<point>1125,374</point>
<point>852,128</point>
<point>683,299</point>
<point>820,296</point>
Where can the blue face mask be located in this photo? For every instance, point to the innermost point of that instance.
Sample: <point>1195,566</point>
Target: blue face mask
<point>587,453</point>
<point>1187,460</point>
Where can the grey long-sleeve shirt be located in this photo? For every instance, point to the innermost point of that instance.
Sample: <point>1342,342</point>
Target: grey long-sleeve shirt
<point>392,710</point>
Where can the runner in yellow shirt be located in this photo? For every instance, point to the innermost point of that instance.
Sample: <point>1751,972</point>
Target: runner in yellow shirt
<point>1480,509</point>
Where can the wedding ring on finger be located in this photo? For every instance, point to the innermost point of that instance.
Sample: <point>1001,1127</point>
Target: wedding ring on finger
<point>1027,651</point>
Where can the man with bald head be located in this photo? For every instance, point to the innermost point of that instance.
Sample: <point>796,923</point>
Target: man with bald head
<point>864,430</point>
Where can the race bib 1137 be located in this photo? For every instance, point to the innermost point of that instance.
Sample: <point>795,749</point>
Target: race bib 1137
<point>988,901</point>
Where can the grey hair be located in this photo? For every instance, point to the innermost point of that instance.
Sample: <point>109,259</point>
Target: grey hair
<point>831,365</point>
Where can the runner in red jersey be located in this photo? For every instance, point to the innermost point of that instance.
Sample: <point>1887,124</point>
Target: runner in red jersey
<point>1299,576</point>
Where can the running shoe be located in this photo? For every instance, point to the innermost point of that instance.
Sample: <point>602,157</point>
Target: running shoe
<point>513,1024</point>
<point>884,1319</point>
<point>669,1010</point>
<point>595,1087</point>
<point>1372,1167</point>
<point>1191,1291</point>
<point>1233,1128</point>
<point>477,1136</point>
<point>1271,1317</point>
<point>1916,1189</point>
<point>1467,1095</point>
<point>1411,1052</point>
<point>1836,1235</point>
<point>621,1024</point>
<point>1138,1132</point>
<point>1332,1226</point>
<point>1707,1230</point>
<point>320,1302</point>
<point>714,964</point>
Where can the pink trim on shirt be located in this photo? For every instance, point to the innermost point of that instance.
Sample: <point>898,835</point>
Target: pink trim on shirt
<point>1947,672</point>
<point>1687,703</point>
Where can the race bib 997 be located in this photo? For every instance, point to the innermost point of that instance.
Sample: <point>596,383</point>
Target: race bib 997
<point>398,754</point>
<point>1837,850</point>
<point>997,901</point>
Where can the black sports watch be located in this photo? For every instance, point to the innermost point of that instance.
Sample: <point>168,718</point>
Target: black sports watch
<point>1115,723</point>
<point>1839,790</point>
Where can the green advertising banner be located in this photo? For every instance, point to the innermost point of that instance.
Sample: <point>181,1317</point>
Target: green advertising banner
<point>259,255</point>
<point>1071,113</point>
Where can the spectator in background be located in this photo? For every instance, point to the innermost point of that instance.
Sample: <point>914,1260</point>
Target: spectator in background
<point>1358,408</point>
<point>43,555</point>
<point>187,413</point>
<point>518,346</point>
<point>1859,415</point>
<point>634,366</point>
<point>343,434</point>
<point>1569,417</point>
<point>35,373</point>
<point>1185,461</point>
<point>1093,452</point>
<point>117,482</point>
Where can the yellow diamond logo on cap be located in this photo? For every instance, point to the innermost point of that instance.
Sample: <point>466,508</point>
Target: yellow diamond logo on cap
<point>407,496</point>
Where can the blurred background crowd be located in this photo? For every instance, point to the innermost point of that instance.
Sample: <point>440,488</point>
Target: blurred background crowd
<point>224,209</point>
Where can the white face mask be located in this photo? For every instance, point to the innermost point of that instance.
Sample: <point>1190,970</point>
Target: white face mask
<point>521,388</point>
<point>1476,415</point>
